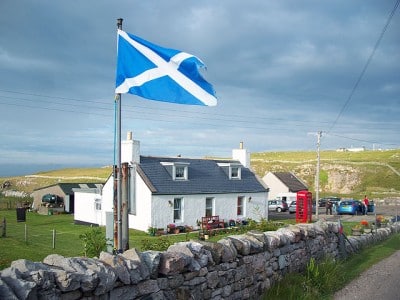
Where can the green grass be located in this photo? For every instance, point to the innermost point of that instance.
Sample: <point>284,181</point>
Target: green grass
<point>322,280</point>
<point>38,241</point>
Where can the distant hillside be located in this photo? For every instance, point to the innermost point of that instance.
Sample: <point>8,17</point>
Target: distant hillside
<point>28,183</point>
<point>345,174</point>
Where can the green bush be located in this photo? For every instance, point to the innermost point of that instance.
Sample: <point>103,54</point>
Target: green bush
<point>94,242</point>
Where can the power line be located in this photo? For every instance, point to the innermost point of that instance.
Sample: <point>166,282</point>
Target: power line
<point>128,107</point>
<point>239,122</point>
<point>366,65</point>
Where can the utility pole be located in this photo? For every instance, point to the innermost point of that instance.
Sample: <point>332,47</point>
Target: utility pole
<point>319,134</point>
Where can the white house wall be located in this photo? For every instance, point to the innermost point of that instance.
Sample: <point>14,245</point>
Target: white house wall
<point>85,208</point>
<point>194,208</point>
<point>85,204</point>
<point>275,185</point>
<point>142,219</point>
<point>155,210</point>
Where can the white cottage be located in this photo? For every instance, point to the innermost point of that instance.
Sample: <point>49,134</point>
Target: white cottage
<point>283,183</point>
<point>179,190</point>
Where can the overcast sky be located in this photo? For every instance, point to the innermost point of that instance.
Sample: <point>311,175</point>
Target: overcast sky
<point>282,71</point>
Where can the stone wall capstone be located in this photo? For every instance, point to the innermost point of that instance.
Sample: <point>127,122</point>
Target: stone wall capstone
<point>236,267</point>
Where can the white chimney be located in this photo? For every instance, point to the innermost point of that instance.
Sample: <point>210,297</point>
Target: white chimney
<point>241,155</point>
<point>130,150</point>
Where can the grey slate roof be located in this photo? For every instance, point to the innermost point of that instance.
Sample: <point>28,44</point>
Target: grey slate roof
<point>67,187</point>
<point>204,177</point>
<point>291,181</point>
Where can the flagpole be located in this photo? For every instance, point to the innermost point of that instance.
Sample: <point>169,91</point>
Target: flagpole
<point>119,201</point>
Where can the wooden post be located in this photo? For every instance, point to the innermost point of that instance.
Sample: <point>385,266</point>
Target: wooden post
<point>4,225</point>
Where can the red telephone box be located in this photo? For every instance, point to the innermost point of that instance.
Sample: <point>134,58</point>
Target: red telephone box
<point>303,207</point>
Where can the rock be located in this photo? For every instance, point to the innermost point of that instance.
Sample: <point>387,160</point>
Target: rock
<point>6,292</point>
<point>241,244</point>
<point>117,262</point>
<point>138,270</point>
<point>173,263</point>
<point>152,260</point>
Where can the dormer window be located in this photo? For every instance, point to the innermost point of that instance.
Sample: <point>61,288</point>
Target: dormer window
<point>177,170</point>
<point>180,172</point>
<point>233,170</point>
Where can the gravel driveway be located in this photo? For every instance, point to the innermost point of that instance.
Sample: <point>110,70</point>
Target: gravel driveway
<point>381,281</point>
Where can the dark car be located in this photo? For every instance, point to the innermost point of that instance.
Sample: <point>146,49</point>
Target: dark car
<point>322,202</point>
<point>351,207</point>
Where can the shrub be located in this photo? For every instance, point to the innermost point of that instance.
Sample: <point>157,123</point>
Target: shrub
<point>158,244</point>
<point>94,241</point>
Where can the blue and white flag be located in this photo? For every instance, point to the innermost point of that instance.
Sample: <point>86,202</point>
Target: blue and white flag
<point>161,74</point>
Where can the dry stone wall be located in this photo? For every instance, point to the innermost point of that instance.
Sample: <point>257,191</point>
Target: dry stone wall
<point>236,267</point>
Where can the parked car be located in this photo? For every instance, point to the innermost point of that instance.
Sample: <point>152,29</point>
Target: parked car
<point>352,207</point>
<point>322,202</point>
<point>277,205</point>
<point>292,207</point>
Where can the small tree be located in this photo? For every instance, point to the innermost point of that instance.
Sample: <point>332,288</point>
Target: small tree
<point>94,242</point>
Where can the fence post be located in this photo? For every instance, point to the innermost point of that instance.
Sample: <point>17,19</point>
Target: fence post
<point>4,225</point>
<point>54,239</point>
<point>26,234</point>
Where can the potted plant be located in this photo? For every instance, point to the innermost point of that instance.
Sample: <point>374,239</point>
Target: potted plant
<point>171,228</point>
<point>356,230</point>
<point>381,221</point>
<point>366,227</point>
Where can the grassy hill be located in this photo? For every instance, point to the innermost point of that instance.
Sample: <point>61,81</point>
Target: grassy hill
<point>29,183</point>
<point>345,174</point>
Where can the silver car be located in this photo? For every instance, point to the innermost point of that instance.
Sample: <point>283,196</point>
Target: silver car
<point>277,205</point>
<point>292,208</point>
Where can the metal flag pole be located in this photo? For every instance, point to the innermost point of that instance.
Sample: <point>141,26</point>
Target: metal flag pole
<point>118,133</point>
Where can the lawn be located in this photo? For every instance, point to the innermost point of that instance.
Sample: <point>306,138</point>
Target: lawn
<point>35,238</point>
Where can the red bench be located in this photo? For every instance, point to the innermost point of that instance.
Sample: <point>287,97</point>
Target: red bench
<point>212,222</point>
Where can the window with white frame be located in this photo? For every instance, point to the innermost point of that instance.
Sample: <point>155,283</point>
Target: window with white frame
<point>180,172</point>
<point>178,209</point>
<point>209,206</point>
<point>97,204</point>
<point>177,170</point>
<point>235,172</point>
<point>240,206</point>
